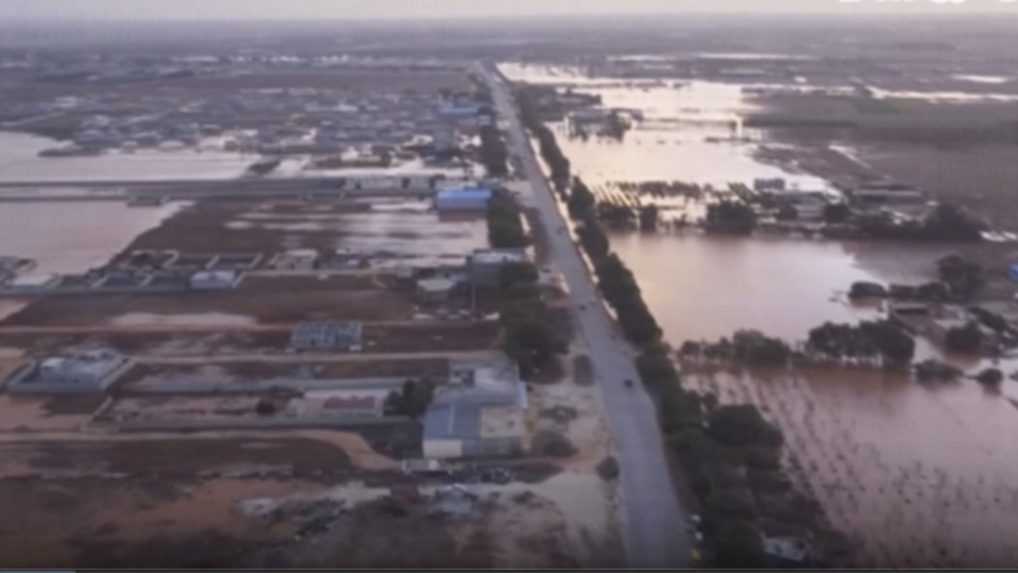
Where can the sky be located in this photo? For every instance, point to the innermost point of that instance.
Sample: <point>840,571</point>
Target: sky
<point>414,9</point>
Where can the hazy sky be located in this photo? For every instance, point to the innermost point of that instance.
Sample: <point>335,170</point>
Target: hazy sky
<point>357,9</point>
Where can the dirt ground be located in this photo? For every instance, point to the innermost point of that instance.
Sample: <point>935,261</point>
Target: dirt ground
<point>159,341</point>
<point>263,304</point>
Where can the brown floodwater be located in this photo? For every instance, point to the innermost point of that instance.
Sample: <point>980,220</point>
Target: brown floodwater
<point>705,287</point>
<point>918,475</point>
<point>72,237</point>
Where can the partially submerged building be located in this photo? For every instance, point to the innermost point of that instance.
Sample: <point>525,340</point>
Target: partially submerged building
<point>327,335</point>
<point>481,413</point>
<point>81,371</point>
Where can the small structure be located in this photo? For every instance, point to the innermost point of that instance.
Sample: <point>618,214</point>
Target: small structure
<point>464,199</point>
<point>214,280</point>
<point>481,413</point>
<point>351,403</point>
<point>296,260</point>
<point>34,283</point>
<point>485,266</point>
<point>327,335</point>
<point>80,371</point>
<point>435,290</point>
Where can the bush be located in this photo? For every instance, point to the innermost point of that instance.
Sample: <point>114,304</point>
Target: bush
<point>864,289</point>
<point>552,444</point>
<point>893,343</point>
<point>608,468</point>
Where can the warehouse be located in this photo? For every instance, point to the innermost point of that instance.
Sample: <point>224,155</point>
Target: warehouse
<point>481,413</point>
<point>466,199</point>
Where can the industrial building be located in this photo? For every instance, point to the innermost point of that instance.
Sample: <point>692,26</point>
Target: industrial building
<point>80,371</point>
<point>485,265</point>
<point>480,413</point>
<point>327,335</point>
<point>464,199</point>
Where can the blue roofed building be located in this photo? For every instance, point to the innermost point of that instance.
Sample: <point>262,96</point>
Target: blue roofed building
<point>463,199</point>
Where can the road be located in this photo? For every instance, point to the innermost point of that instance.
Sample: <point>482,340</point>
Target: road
<point>654,523</point>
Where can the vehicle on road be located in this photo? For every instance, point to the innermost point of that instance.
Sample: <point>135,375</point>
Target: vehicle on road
<point>629,383</point>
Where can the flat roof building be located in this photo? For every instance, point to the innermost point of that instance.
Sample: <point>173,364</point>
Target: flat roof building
<point>81,371</point>
<point>481,413</point>
<point>463,199</point>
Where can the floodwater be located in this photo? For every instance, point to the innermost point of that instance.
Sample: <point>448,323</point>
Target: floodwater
<point>705,287</point>
<point>399,229</point>
<point>72,237</point>
<point>691,132</point>
<point>20,161</point>
<point>918,475</point>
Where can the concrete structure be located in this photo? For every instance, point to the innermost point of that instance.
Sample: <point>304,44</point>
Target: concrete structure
<point>296,260</point>
<point>435,290</point>
<point>485,266</point>
<point>481,413</point>
<point>214,280</point>
<point>327,335</point>
<point>80,371</point>
<point>465,199</point>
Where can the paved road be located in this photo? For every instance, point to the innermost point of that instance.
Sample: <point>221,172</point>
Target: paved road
<point>653,521</point>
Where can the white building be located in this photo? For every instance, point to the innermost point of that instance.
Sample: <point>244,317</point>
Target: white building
<point>71,372</point>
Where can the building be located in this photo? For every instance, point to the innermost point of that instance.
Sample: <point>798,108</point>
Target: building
<point>347,403</point>
<point>464,199</point>
<point>327,335</point>
<point>296,260</point>
<point>887,192</point>
<point>480,413</point>
<point>214,280</point>
<point>485,266</point>
<point>34,283</point>
<point>435,290</point>
<point>80,371</point>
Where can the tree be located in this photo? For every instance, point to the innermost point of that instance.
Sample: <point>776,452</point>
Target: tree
<point>738,545</point>
<point>731,217</point>
<point>649,217</point>
<point>581,201</point>
<point>412,400</point>
<point>837,213</point>
<point>517,274</point>
<point>754,348</point>
<point>593,240</point>
<point>494,155</point>
<point>893,343</point>
<point>966,339</point>
<point>743,425</point>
